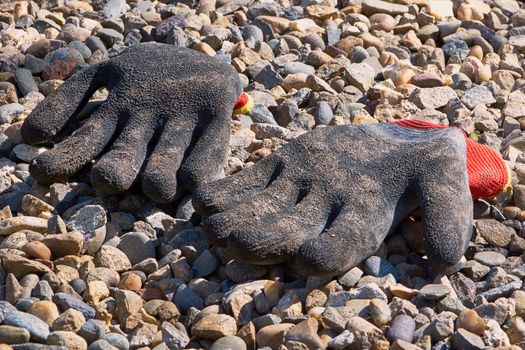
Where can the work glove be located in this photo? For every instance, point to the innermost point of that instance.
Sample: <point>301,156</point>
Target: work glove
<point>166,121</point>
<point>326,201</point>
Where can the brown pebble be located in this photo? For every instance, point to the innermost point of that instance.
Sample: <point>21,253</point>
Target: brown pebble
<point>37,250</point>
<point>470,320</point>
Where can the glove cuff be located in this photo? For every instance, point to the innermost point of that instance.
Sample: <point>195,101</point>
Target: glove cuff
<point>488,174</point>
<point>243,105</point>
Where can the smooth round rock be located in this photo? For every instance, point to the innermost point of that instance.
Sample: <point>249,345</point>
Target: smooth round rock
<point>229,343</point>
<point>403,327</point>
<point>130,244</point>
<point>489,258</point>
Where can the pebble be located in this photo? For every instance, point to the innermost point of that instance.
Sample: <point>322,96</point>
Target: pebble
<point>214,326</point>
<point>13,335</point>
<point>489,258</point>
<point>402,327</point>
<point>131,240</point>
<point>379,267</point>
<point>38,329</point>
<point>470,320</point>
<point>229,343</point>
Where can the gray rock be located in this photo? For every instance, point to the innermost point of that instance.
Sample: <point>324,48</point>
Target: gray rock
<point>489,258</point>
<point>129,243</point>
<point>371,7</point>
<point>502,291</point>
<point>402,327</point>
<point>464,339</point>
<point>456,47</point>
<point>110,36</point>
<point>82,48</point>
<point>115,8</point>
<point>174,335</point>
<point>342,341</point>
<point>38,329</point>
<point>478,95</point>
<point>101,344</point>
<point>117,340</point>
<point>433,291</point>
<point>34,64</point>
<point>240,271</point>
<point>261,114</point>
<point>25,81</point>
<point>65,301</point>
<point>297,67</point>
<point>9,112</point>
<point>323,113</point>
<point>185,299</point>
<point>379,267</point>
<point>205,264</point>
<point>360,75</point>
<point>229,343</point>
<point>433,98</point>
<point>266,320</point>
<point>92,330</point>
<point>350,278</point>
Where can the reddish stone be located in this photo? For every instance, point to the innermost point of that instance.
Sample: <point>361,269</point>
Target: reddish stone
<point>58,70</point>
<point>148,294</point>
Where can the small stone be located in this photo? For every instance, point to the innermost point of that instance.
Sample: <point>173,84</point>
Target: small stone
<point>239,271</point>
<point>470,320</point>
<point>434,291</point>
<point>92,330</point>
<point>38,329</point>
<point>350,278</point>
<point>45,310</point>
<point>379,312</point>
<point>205,264</point>
<point>433,98</point>
<point>494,232</point>
<point>69,320</point>
<point>13,335</point>
<point>117,340</point>
<point>25,81</point>
<point>112,258</point>
<point>129,243</point>
<point>379,267</point>
<point>214,326</point>
<point>66,301</point>
<point>489,258</point>
<point>371,7</point>
<point>273,336</point>
<point>478,95</point>
<point>127,303</point>
<point>304,333</point>
<point>463,339</point>
<point>360,75</point>
<point>9,112</point>
<point>229,343</point>
<point>403,327</point>
<point>64,244</point>
<point>68,339</point>
<point>185,299</point>
<point>37,250</point>
<point>342,341</point>
<point>95,292</point>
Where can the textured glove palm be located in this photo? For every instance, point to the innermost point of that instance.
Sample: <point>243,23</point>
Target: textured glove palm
<point>167,116</point>
<point>327,200</point>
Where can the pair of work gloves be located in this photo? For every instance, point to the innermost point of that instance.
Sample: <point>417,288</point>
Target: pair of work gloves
<point>322,204</point>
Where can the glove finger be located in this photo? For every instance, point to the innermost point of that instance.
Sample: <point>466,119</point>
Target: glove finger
<point>52,114</point>
<point>228,192</point>
<point>116,170</point>
<point>207,156</point>
<point>274,200</point>
<point>278,239</point>
<point>159,180</point>
<point>446,203</point>
<point>344,243</point>
<point>69,156</point>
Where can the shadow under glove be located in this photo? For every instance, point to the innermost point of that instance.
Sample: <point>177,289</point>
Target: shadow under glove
<point>326,201</point>
<point>167,118</point>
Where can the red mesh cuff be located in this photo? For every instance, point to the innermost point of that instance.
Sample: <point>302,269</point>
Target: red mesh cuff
<point>487,172</point>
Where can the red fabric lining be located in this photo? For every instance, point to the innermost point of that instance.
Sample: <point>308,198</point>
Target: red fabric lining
<point>487,172</point>
<point>241,101</point>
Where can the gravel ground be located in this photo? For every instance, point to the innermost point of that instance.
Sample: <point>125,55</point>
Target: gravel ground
<point>82,271</point>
